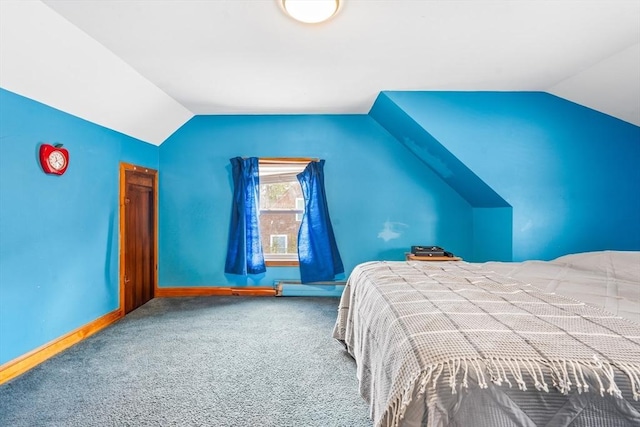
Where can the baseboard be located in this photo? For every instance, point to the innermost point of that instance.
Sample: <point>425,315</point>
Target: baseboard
<point>35,357</point>
<point>214,291</point>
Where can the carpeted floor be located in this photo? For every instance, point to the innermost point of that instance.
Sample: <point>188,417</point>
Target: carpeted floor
<point>215,361</point>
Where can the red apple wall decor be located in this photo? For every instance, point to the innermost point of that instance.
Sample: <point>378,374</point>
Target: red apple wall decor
<point>54,159</point>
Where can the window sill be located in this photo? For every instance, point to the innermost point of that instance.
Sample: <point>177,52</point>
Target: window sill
<point>282,263</point>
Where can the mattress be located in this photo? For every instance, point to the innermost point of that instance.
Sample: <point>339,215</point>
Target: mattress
<point>459,344</point>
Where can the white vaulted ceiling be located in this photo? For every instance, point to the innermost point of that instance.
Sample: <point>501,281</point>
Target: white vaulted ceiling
<point>145,67</point>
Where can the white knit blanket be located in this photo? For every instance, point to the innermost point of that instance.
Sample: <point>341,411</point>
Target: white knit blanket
<point>409,325</point>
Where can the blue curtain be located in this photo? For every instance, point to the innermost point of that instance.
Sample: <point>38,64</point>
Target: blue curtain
<point>317,249</point>
<point>244,250</point>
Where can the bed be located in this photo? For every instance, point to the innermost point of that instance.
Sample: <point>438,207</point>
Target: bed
<point>535,343</point>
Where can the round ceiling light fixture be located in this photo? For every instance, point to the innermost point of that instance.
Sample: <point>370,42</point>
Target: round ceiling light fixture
<point>311,11</point>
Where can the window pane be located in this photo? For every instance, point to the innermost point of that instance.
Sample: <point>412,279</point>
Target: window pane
<point>278,244</point>
<point>281,195</point>
<point>281,208</point>
<point>279,233</point>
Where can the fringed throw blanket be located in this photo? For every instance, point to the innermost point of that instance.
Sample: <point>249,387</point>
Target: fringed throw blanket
<point>411,326</point>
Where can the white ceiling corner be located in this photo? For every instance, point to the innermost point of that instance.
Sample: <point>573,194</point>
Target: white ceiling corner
<point>611,86</point>
<point>46,58</point>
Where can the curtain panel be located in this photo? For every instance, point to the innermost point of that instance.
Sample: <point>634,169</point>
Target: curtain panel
<point>244,250</point>
<point>317,250</point>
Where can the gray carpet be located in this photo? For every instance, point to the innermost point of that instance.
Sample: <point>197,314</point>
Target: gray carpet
<point>214,361</point>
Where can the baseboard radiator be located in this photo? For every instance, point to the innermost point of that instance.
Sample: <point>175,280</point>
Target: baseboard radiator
<point>288,287</point>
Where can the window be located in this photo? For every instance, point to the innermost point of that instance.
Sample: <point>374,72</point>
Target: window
<point>274,199</point>
<point>278,243</point>
<point>281,209</point>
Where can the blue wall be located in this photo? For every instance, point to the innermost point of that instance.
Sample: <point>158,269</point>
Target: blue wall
<point>492,215</point>
<point>59,234</point>
<point>381,198</point>
<point>570,173</point>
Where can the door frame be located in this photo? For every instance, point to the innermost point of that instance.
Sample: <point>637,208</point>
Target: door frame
<point>124,168</point>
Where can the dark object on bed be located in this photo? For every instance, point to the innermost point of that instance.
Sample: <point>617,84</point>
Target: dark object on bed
<point>457,344</point>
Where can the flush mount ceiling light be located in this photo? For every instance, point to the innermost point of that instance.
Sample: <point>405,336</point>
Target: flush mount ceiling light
<point>311,11</point>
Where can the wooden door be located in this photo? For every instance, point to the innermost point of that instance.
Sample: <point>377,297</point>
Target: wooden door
<point>138,256</point>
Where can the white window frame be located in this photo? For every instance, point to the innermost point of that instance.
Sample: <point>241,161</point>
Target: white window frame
<point>273,170</point>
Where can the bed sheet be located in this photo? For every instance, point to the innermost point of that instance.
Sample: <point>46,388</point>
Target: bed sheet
<point>609,280</point>
<point>487,399</point>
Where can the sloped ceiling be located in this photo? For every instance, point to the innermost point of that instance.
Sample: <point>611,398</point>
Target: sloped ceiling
<point>145,67</point>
